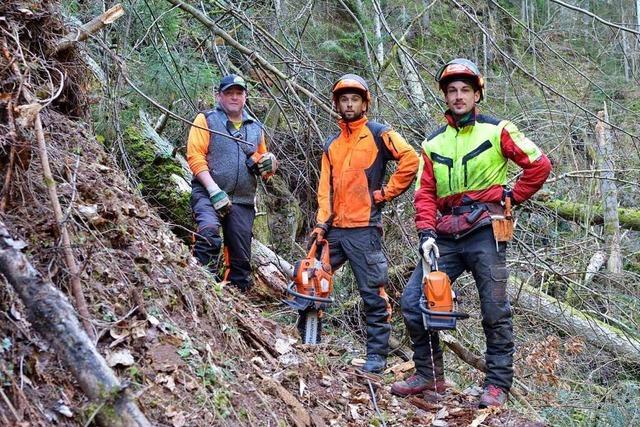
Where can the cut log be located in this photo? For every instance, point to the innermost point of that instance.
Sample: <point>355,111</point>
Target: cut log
<point>629,218</point>
<point>53,317</point>
<point>271,271</point>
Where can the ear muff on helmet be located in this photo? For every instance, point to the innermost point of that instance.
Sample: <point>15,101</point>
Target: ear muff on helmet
<point>460,69</point>
<point>350,83</point>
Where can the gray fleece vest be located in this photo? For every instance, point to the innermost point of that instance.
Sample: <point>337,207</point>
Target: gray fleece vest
<point>227,158</point>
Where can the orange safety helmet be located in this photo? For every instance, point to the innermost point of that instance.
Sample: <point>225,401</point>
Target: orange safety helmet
<point>348,83</point>
<point>460,69</point>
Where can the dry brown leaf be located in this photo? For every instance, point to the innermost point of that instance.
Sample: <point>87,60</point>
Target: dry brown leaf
<point>357,361</point>
<point>361,398</point>
<point>480,418</point>
<point>353,411</point>
<point>120,357</point>
<point>177,418</point>
<point>284,344</point>
<point>401,368</point>
<point>167,381</point>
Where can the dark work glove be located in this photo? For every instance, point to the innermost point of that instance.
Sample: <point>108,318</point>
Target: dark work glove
<point>317,234</point>
<point>267,164</point>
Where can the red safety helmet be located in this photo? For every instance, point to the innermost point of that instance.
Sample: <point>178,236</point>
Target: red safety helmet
<point>460,69</point>
<point>350,83</point>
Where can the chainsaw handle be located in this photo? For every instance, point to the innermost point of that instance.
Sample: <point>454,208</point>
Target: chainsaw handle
<point>425,310</point>
<point>290,290</point>
<point>434,260</point>
<point>444,313</point>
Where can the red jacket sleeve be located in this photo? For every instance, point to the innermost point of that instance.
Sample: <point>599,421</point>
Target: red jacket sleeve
<point>535,165</point>
<point>425,196</point>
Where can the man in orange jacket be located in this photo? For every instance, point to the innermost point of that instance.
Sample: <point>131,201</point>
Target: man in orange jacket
<point>226,150</point>
<point>350,199</point>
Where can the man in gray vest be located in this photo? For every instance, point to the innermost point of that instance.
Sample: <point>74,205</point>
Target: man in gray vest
<point>226,151</point>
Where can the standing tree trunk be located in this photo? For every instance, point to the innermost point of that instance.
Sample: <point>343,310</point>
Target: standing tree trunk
<point>426,18</point>
<point>377,27</point>
<point>636,69</point>
<point>609,192</point>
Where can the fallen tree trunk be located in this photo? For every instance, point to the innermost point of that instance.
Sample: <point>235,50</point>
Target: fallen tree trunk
<point>629,218</point>
<point>53,317</point>
<point>270,270</point>
<point>575,322</point>
<point>83,32</point>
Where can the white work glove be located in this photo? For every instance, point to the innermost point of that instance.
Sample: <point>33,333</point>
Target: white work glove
<point>427,245</point>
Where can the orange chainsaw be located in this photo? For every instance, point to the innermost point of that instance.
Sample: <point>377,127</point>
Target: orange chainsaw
<point>311,288</point>
<point>438,302</point>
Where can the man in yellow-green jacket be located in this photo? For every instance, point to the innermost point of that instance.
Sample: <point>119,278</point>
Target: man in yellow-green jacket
<point>461,184</point>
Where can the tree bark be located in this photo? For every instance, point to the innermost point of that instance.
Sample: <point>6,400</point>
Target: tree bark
<point>609,193</point>
<point>595,264</point>
<point>578,212</point>
<point>165,149</point>
<point>53,317</point>
<point>377,27</point>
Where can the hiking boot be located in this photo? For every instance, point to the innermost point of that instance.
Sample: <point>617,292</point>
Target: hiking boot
<point>492,396</point>
<point>417,384</point>
<point>375,364</point>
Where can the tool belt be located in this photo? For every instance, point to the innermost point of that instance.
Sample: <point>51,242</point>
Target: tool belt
<point>474,210</point>
<point>501,217</point>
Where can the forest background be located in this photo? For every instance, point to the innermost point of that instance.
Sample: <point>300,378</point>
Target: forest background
<point>566,73</point>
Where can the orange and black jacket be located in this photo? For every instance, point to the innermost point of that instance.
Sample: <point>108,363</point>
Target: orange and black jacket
<point>353,167</point>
